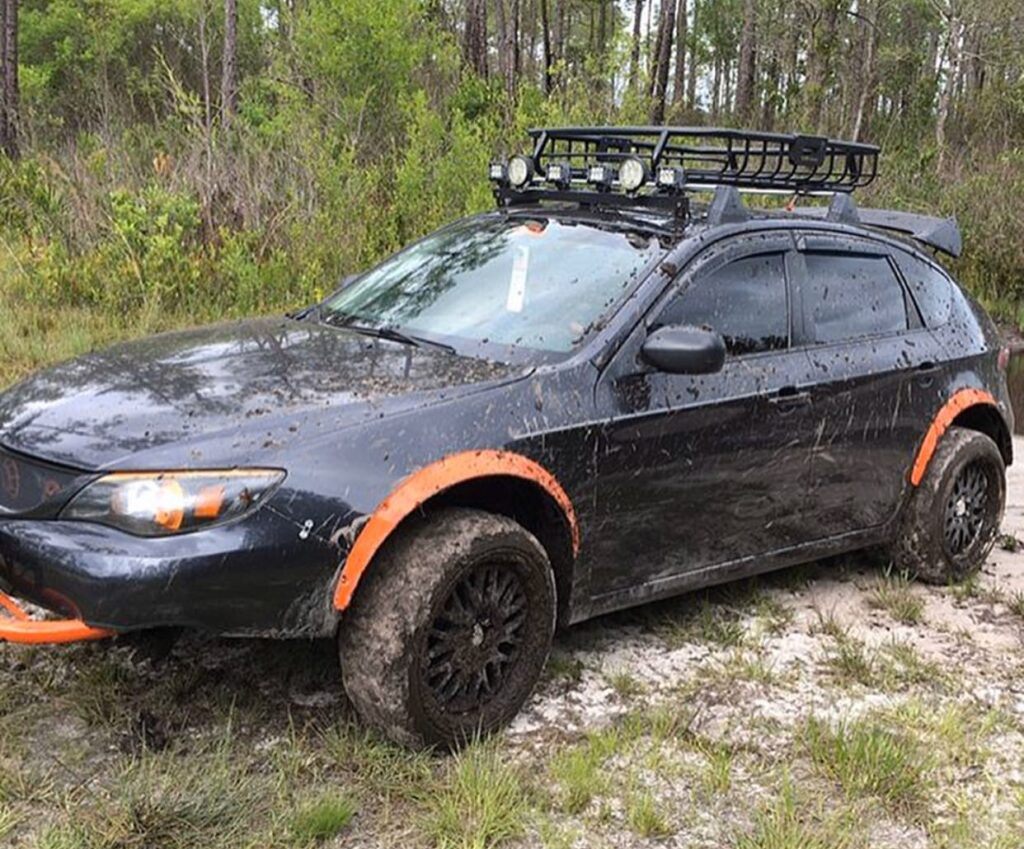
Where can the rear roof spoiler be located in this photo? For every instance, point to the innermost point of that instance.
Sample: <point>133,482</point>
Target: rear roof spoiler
<point>943,234</point>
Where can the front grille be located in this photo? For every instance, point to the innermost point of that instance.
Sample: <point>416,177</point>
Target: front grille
<point>30,487</point>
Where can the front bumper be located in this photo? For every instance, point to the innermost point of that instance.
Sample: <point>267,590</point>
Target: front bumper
<point>260,576</point>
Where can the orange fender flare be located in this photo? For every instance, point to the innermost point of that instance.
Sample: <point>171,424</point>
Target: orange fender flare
<point>961,400</point>
<point>427,482</point>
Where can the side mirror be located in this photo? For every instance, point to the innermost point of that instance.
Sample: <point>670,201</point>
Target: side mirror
<point>682,349</point>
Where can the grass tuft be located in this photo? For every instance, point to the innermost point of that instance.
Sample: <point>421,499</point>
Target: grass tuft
<point>644,817</point>
<point>626,686</point>
<point>895,594</point>
<point>868,760</point>
<point>580,775</point>
<point>786,824</point>
<point>480,802</point>
<point>322,819</point>
<point>849,662</point>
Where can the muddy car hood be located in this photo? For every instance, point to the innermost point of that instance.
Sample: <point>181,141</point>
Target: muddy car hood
<point>227,394</point>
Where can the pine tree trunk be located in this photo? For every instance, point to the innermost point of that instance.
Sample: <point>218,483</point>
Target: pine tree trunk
<point>666,34</point>
<point>946,94</point>
<point>747,63</point>
<point>869,82</point>
<point>506,43</point>
<point>679,80</point>
<point>10,78</point>
<point>229,80</point>
<point>691,69</point>
<point>820,55</point>
<point>546,26</point>
<point>634,55</point>
<point>3,76</point>
<point>474,42</point>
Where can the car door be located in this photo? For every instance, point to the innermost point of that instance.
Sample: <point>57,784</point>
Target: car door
<point>697,470</point>
<point>876,362</point>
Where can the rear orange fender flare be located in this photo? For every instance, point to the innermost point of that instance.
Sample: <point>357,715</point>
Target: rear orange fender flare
<point>424,484</point>
<point>961,400</point>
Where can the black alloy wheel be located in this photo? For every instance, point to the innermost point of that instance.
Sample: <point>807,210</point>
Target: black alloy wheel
<point>474,642</point>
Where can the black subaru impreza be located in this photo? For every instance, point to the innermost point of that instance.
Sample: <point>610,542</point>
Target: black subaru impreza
<point>601,393</point>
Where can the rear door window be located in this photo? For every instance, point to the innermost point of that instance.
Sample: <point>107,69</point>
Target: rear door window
<point>851,296</point>
<point>930,287</point>
<point>744,300</point>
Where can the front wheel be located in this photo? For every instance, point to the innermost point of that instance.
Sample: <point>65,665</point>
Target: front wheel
<point>952,518</point>
<point>451,629</point>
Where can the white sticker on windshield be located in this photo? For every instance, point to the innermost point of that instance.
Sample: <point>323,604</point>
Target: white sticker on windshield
<point>517,283</point>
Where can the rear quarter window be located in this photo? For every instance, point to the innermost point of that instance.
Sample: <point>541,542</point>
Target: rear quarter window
<point>931,289</point>
<point>852,296</point>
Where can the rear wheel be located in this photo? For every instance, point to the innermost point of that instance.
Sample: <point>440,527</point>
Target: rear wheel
<point>450,632</point>
<point>952,519</point>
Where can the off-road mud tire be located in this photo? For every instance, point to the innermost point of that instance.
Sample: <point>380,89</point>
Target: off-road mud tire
<point>921,548</point>
<point>384,638</point>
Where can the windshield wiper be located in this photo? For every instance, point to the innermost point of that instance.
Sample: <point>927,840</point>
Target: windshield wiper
<point>389,332</point>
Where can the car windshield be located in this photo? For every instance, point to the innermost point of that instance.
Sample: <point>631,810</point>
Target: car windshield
<point>536,283</point>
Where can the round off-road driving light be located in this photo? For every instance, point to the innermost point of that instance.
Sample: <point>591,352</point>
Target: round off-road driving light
<point>519,170</point>
<point>559,174</point>
<point>601,176</point>
<point>632,174</point>
<point>672,179</point>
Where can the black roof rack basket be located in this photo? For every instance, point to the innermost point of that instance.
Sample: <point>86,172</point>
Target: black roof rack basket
<point>710,157</point>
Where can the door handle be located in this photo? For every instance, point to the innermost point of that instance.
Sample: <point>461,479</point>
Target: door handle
<point>790,396</point>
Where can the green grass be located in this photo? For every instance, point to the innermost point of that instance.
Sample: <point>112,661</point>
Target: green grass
<point>868,760</point>
<point>9,818</point>
<point>626,686</point>
<point>773,615</point>
<point>645,817</point>
<point>381,766</point>
<point>717,774</point>
<point>787,823</point>
<point>1016,603</point>
<point>564,667</point>
<point>896,595</point>
<point>481,801</point>
<point>38,335</point>
<point>170,801</point>
<point>321,819</point>
<point>899,664</point>
<point>579,774</point>
<point>848,661</point>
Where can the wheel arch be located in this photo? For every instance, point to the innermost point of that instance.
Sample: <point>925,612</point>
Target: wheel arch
<point>986,419</point>
<point>499,482</point>
<point>974,409</point>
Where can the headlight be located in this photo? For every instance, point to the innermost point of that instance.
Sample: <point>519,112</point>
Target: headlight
<point>155,504</point>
